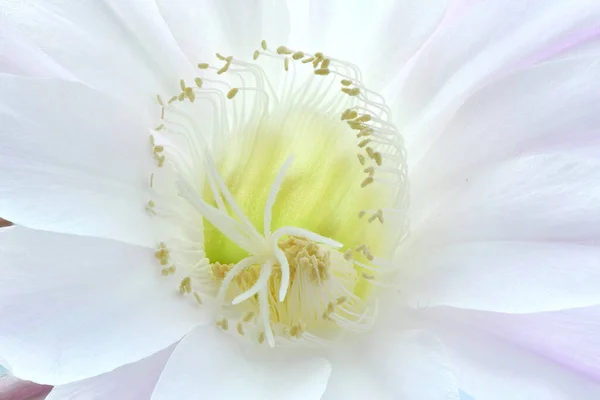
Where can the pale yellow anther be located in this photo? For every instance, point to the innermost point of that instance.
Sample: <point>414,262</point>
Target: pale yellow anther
<point>162,113</point>
<point>198,82</point>
<point>159,99</point>
<point>346,82</point>
<point>152,179</point>
<point>231,94</point>
<point>283,50</point>
<point>186,285</point>
<point>361,213</point>
<point>357,126</point>
<point>263,44</point>
<point>365,132</point>
<point>361,159</point>
<point>198,298</point>
<point>286,64</point>
<point>377,157</point>
<point>168,270</point>
<point>150,208</point>
<point>378,215</point>
<point>159,127</point>
<point>172,99</point>
<point>307,60</point>
<point>189,93</point>
<point>182,84</point>
<point>255,55</point>
<point>369,170</point>
<point>224,68</point>
<point>348,255</point>
<point>370,151</point>
<point>349,114</point>
<point>152,141</point>
<point>364,143</point>
<point>322,71</point>
<point>261,338</point>
<point>367,276</point>
<point>240,328</point>
<point>221,57</point>
<point>319,55</point>
<point>297,55</point>
<point>351,92</point>
<point>367,181</point>
<point>161,161</point>
<point>360,248</point>
<point>248,316</point>
<point>364,118</point>
<point>181,96</point>
<point>159,148</point>
<point>341,300</point>
<point>325,63</point>
<point>203,66</point>
<point>223,324</point>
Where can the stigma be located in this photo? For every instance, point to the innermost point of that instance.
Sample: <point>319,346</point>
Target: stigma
<point>281,195</point>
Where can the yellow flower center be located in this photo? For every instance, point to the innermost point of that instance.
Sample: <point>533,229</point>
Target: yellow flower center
<point>277,192</point>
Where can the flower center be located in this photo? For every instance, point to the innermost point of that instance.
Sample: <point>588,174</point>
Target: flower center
<point>274,189</point>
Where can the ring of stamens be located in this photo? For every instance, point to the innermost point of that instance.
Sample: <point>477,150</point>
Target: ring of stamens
<point>293,284</point>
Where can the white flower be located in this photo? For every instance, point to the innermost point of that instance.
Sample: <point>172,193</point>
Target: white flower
<point>251,236</point>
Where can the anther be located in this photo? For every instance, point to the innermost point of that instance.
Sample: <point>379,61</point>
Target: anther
<point>203,66</point>
<point>248,316</point>
<point>223,324</point>
<point>346,82</point>
<point>263,44</point>
<point>364,118</point>
<point>364,143</point>
<point>159,99</point>
<point>150,208</point>
<point>361,159</point>
<point>322,71</point>
<point>297,55</point>
<point>159,127</point>
<point>377,157</point>
<point>255,55</point>
<point>240,328</point>
<point>172,99</point>
<point>283,50</point>
<point>198,82</point>
<point>378,215</point>
<point>367,181</point>
<point>198,298</point>
<point>182,85</point>
<point>286,64</point>
<point>349,114</point>
<point>261,338</point>
<point>325,63</point>
<point>348,255</point>
<point>369,170</point>
<point>231,94</point>
<point>307,60</point>
<point>351,92</point>
<point>224,68</point>
<point>181,96</point>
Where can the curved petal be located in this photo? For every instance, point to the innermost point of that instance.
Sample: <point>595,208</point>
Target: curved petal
<point>15,389</point>
<point>410,364</point>
<point>123,50</point>
<point>19,56</point>
<point>551,106</point>
<point>511,277</point>
<point>486,42</point>
<point>133,381</point>
<point>495,369</point>
<point>73,307</point>
<point>209,364</point>
<point>73,161</point>
<point>203,27</point>
<point>549,196</point>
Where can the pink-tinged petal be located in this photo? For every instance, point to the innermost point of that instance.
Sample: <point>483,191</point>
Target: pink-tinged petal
<point>491,367</point>
<point>512,277</point>
<point>73,307</point>
<point>393,365</point>
<point>74,161</point>
<point>488,41</point>
<point>133,381</point>
<point>209,364</point>
<point>549,107</point>
<point>12,388</point>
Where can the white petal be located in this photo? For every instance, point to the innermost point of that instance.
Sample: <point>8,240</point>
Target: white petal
<point>113,47</point>
<point>19,56</point>
<point>512,277</point>
<point>549,106</point>
<point>493,38</point>
<point>133,381</point>
<point>209,364</point>
<point>73,161</point>
<point>394,365</point>
<point>203,27</point>
<point>493,369</point>
<point>379,36</point>
<point>74,307</point>
<point>550,196</point>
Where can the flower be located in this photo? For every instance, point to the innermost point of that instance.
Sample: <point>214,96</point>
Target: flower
<point>246,233</point>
